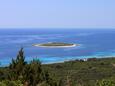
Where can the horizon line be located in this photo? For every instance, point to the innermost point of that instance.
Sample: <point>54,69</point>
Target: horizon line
<point>56,28</point>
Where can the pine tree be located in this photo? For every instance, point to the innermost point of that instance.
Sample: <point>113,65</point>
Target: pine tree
<point>30,74</point>
<point>33,73</point>
<point>18,65</point>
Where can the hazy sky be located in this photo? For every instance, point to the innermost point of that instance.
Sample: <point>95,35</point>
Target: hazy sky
<point>57,13</point>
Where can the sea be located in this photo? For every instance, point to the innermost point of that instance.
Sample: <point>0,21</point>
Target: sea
<point>93,43</point>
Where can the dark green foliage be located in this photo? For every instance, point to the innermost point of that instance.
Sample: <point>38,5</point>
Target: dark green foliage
<point>105,82</point>
<point>19,62</point>
<point>17,66</point>
<point>33,73</point>
<point>49,80</point>
<point>83,73</point>
<point>10,83</point>
<point>29,74</point>
<point>93,72</point>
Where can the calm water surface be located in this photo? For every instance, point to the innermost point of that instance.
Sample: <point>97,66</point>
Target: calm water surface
<point>93,43</point>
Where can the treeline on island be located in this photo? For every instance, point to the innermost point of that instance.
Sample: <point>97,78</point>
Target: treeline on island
<point>93,72</point>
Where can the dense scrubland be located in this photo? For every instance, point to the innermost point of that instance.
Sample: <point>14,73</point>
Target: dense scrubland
<point>93,72</point>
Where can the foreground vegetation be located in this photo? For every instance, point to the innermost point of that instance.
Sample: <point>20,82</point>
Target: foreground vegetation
<point>93,72</point>
<point>19,73</point>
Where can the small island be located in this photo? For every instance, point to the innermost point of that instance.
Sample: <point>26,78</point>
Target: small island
<point>55,44</point>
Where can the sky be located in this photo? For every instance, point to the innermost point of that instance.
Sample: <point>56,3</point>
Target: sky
<point>57,13</point>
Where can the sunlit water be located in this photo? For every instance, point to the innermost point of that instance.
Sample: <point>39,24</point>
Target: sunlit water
<point>93,43</point>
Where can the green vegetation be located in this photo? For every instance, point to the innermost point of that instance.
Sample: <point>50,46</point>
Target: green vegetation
<point>55,44</point>
<point>106,83</point>
<point>19,73</point>
<point>84,73</point>
<point>93,72</point>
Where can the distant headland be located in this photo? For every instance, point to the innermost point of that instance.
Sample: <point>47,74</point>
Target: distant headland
<point>56,44</point>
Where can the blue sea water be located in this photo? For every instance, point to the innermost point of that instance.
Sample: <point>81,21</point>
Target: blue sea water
<point>93,43</point>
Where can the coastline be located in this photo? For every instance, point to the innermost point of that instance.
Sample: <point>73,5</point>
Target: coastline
<point>39,45</point>
<point>56,60</point>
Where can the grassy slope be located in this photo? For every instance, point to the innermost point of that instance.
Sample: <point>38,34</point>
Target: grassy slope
<point>85,73</point>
